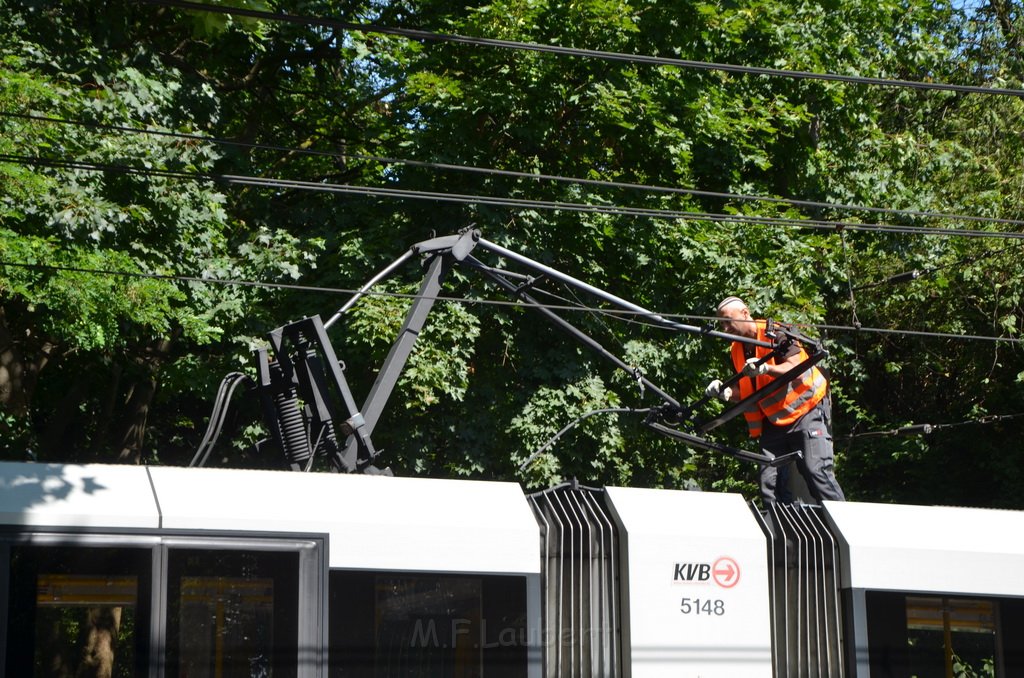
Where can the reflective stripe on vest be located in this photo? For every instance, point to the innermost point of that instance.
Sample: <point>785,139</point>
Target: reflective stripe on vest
<point>786,405</point>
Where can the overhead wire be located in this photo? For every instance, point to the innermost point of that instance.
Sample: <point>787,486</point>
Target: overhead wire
<point>849,282</point>
<point>520,203</point>
<point>914,429</point>
<point>624,313</point>
<point>426,35</point>
<point>320,186</point>
<point>914,274</point>
<point>418,34</point>
<point>573,424</point>
<point>536,176</point>
<point>926,429</point>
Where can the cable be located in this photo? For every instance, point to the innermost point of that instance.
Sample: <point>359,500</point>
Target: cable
<point>511,202</point>
<point>575,422</point>
<point>577,52</point>
<point>217,417</point>
<point>793,202</point>
<point>914,274</point>
<point>493,302</point>
<point>926,429</point>
<point>849,282</point>
<point>935,335</point>
<point>182,278</point>
<point>566,206</point>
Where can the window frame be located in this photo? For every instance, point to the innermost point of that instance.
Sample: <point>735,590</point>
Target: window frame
<point>886,629</point>
<point>311,576</point>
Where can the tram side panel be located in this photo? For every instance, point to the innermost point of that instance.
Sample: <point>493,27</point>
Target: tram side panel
<point>240,571</point>
<point>423,576</point>
<point>931,590</point>
<point>695,585</point>
<point>333,575</point>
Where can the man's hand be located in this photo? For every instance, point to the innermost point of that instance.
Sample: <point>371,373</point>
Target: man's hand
<point>752,369</point>
<point>715,389</point>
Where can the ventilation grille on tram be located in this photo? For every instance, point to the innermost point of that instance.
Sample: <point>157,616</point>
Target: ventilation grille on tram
<point>580,588</point>
<point>803,576</point>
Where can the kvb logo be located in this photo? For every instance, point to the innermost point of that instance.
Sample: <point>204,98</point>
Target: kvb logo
<point>692,572</point>
<point>725,572</point>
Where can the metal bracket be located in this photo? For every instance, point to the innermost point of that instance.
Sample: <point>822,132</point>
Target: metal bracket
<point>305,373</point>
<point>703,443</point>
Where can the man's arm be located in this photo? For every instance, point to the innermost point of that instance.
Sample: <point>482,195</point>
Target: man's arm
<point>791,361</point>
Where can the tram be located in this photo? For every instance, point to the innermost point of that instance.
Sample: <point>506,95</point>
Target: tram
<point>161,572</point>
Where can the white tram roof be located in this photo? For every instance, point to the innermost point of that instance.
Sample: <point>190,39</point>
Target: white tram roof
<point>374,522</point>
<point>930,548</point>
<point>418,524</point>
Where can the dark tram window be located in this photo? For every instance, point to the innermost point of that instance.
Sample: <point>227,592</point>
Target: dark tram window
<point>932,636</point>
<point>411,625</point>
<point>951,636</point>
<point>232,614</point>
<point>78,611</point>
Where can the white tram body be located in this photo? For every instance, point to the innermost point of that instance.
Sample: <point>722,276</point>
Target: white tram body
<point>194,572</point>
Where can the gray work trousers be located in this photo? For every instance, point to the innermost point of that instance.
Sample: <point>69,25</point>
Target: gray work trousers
<point>811,436</point>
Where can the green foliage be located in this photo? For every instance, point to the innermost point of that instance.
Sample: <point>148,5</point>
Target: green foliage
<point>486,386</point>
<point>440,365</point>
<point>77,307</point>
<point>93,239</point>
<point>548,409</point>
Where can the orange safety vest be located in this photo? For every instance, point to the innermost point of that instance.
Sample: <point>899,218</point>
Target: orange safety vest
<point>786,405</point>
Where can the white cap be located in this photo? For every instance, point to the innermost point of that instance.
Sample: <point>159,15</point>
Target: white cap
<point>728,300</point>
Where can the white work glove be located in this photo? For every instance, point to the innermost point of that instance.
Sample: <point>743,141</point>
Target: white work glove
<point>715,389</point>
<point>752,369</point>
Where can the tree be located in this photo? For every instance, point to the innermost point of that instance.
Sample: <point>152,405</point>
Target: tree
<point>350,111</point>
<point>92,230</point>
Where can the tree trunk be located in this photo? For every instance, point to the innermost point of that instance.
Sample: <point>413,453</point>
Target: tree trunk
<point>133,426</point>
<point>18,375</point>
<point>58,437</point>
<point>106,416</point>
<point>99,646</point>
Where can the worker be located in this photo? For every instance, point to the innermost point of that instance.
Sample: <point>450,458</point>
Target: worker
<point>796,418</point>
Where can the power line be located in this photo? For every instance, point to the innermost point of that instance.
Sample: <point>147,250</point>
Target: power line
<point>618,313</point>
<point>519,203</point>
<point>871,330</point>
<point>575,422</point>
<point>526,175</point>
<point>926,429</point>
<point>911,333</point>
<point>914,274</point>
<point>849,282</point>
<point>577,52</point>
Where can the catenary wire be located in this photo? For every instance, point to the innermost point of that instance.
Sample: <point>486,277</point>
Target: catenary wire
<point>849,282</point>
<point>856,324</point>
<point>489,302</point>
<point>914,274</point>
<point>575,422</point>
<point>579,52</point>
<point>675,190</point>
<point>521,203</point>
<point>925,429</point>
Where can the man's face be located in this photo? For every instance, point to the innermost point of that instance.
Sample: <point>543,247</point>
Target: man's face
<point>735,319</point>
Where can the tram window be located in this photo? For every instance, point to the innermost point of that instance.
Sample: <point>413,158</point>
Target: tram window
<point>232,614</point>
<point>404,625</point>
<point>918,636</point>
<point>78,611</point>
<point>951,636</point>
